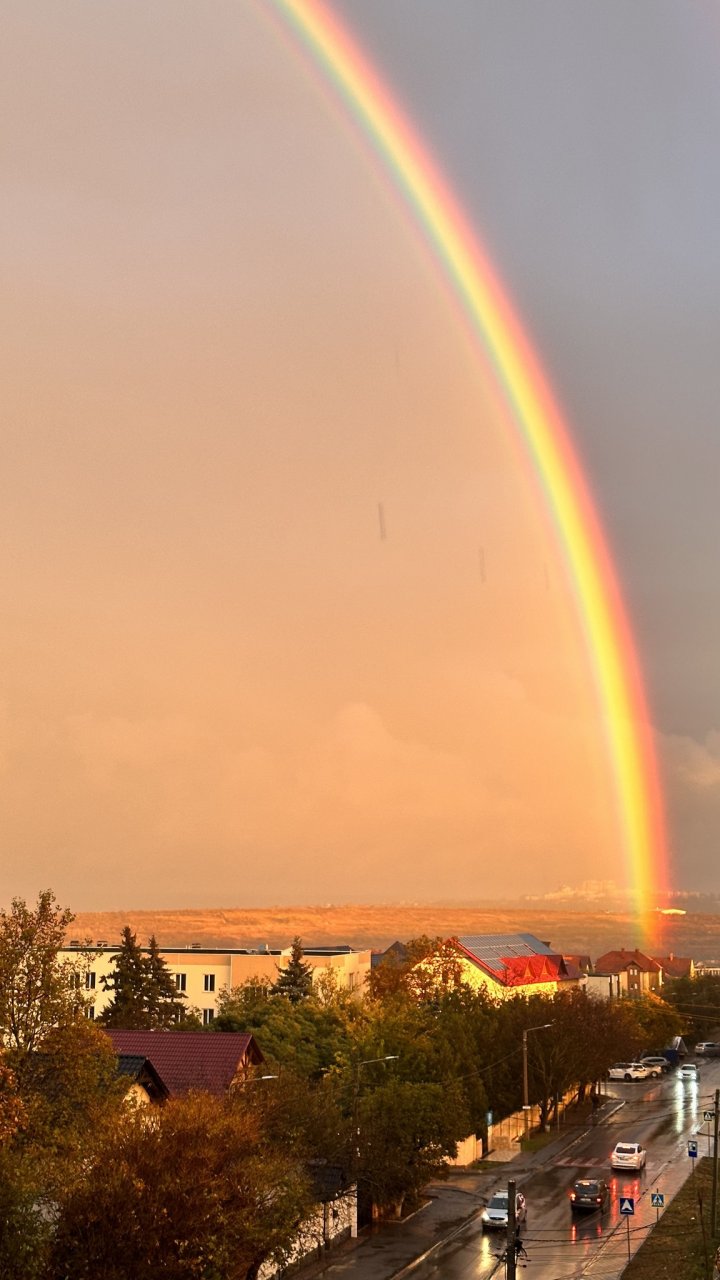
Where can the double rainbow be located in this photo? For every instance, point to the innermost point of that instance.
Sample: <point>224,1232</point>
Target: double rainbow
<point>535,418</point>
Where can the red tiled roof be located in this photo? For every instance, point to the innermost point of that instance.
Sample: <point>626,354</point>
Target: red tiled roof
<point>676,966</point>
<point>522,971</point>
<point>191,1059</point>
<point>618,961</point>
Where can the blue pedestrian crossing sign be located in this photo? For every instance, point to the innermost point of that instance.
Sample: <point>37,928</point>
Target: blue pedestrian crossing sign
<point>657,1200</point>
<point>692,1149</point>
<point>627,1205</point>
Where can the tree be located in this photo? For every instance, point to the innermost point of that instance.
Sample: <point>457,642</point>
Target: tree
<point>698,1000</point>
<point>424,967</point>
<point>308,1037</point>
<point>13,1112</point>
<point>36,991</point>
<point>144,992</point>
<point>294,982</point>
<point>165,1004</point>
<point>405,1132</point>
<point>68,1087</point>
<point>25,1229</point>
<point>128,985</point>
<point>191,1189</point>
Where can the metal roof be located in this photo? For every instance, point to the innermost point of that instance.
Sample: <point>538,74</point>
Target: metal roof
<point>494,947</point>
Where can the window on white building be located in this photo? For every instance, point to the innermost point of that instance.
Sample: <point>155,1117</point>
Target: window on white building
<point>209,981</point>
<point>90,980</point>
<point>181,981</point>
<point>90,1012</point>
<point>208,1015</point>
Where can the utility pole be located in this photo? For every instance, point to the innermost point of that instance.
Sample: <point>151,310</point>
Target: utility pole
<point>716,1121</point>
<point>511,1231</point>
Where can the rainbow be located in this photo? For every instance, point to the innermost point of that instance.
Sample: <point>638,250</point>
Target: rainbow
<point>499,340</point>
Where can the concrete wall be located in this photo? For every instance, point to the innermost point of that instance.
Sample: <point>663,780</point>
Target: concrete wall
<point>330,1223</point>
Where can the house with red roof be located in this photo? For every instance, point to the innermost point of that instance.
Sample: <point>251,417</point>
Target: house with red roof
<point>638,974</point>
<point>676,966</point>
<point>510,965</point>
<point>185,1060</point>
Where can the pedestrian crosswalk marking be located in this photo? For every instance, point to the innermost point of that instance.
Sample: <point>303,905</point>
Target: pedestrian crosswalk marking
<point>588,1163</point>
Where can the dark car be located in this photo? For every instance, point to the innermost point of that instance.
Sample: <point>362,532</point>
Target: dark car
<point>590,1194</point>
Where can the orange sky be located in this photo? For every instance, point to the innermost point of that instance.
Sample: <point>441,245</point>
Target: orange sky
<point>221,351</point>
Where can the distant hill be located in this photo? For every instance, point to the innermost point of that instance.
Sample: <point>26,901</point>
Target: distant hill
<point>588,932</point>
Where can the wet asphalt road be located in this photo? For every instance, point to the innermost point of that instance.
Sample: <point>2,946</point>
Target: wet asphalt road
<point>662,1115</point>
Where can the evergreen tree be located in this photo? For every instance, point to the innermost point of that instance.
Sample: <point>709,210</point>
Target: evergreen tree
<point>164,1003</point>
<point>295,980</point>
<point>129,986</point>
<point>144,991</point>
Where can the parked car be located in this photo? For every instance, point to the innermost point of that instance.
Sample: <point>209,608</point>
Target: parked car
<point>628,1155</point>
<point>495,1214</point>
<point>657,1064</point>
<point>689,1071</point>
<point>628,1071</point>
<point>708,1049</point>
<point>590,1194</point>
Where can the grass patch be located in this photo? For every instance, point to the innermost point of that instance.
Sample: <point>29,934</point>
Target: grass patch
<point>676,1249</point>
<point>537,1141</point>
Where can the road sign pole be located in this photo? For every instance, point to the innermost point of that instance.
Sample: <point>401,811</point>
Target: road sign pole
<point>714,1214</point>
<point>657,1207</point>
<point>628,1237</point>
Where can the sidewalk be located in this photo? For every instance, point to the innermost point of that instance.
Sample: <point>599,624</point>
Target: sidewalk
<point>392,1249</point>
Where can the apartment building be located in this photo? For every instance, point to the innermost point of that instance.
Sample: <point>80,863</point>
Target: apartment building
<point>202,973</point>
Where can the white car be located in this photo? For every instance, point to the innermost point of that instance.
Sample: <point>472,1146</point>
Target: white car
<point>629,1071</point>
<point>689,1071</point>
<point>495,1215</point>
<point>708,1049</point>
<point>628,1155</point>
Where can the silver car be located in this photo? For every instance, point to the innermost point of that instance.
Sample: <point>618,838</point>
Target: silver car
<point>495,1214</point>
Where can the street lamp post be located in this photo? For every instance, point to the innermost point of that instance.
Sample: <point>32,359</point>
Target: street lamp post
<point>526,1099</point>
<point>366,1062</point>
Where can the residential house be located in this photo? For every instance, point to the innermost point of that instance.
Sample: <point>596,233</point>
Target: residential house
<point>580,964</point>
<point>676,966</point>
<point>144,1085</point>
<point>186,1060</point>
<point>638,974</point>
<point>507,965</point>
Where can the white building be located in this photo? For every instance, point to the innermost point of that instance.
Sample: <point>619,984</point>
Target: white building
<point>202,973</point>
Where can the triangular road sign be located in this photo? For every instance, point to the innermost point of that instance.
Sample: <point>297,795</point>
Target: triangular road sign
<point>627,1205</point>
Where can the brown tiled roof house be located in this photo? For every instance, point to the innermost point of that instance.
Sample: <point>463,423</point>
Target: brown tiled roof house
<point>641,974</point>
<point>677,966</point>
<point>185,1060</point>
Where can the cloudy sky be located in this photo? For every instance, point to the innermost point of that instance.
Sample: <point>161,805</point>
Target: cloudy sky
<point>226,677</point>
